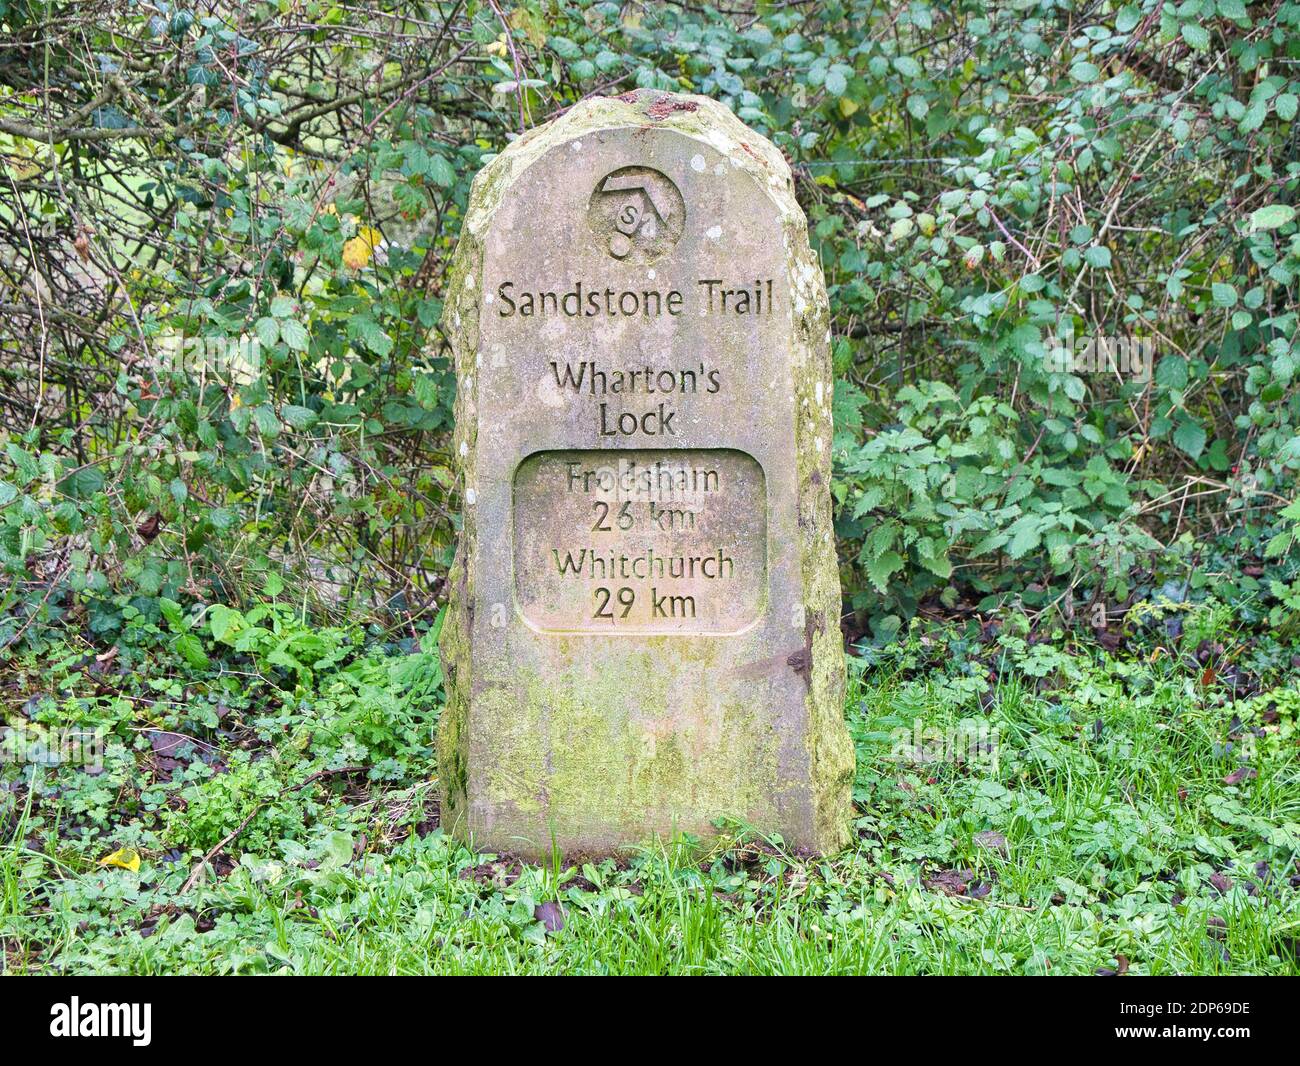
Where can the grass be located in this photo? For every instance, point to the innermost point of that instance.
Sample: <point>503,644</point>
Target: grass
<point>1022,808</point>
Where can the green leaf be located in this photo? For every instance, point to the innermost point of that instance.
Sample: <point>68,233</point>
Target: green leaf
<point>1225,295</point>
<point>1279,545</point>
<point>224,622</point>
<point>192,649</point>
<point>564,48</point>
<point>940,565</point>
<point>370,334</point>
<point>264,418</point>
<point>298,417</point>
<point>1098,257</point>
<point>1196,35</point>
<point>82,484</point>
<point>1171,372</point>
<point>426,391</point>
<point>1025,539</point>
<point>1272,217</point>
<point>1189,437</point>
<point>907,66</point>
<point>879,569</point>
<point>294,334</point>
<point>267,330</point>
<point>441,171</point>
<point>171,610</point>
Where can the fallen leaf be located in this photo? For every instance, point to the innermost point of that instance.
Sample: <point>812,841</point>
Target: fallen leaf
<point>1240,774</point>
<point>148,529</point>
<point>992,840</point>
<point>550,915</point>
<point>949,882</point>
<point>124,858</point>
<point>167,744</point>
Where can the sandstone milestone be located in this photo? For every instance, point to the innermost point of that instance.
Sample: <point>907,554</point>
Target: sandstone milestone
<point>643,633</point>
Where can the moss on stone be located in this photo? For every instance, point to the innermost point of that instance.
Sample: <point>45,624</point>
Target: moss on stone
<point>563,756</point>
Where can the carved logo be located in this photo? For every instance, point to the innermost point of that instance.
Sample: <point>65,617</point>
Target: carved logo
<point>637,214</point>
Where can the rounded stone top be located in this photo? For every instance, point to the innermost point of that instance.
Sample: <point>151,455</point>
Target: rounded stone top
<point>697,117</point>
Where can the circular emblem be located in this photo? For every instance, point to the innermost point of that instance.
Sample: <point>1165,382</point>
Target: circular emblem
<point>637,214</point>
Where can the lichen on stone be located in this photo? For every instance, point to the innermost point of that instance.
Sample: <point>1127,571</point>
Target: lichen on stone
<point>567,753</point>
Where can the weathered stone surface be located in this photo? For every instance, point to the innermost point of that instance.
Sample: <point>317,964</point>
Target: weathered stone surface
<point>643,630</point>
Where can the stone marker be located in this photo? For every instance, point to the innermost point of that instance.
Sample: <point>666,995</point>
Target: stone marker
<point>643,633</point>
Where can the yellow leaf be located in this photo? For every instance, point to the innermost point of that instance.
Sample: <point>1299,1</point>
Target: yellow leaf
<point>357,251</point>
<point>236,401</point>
<point>125,858</point>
